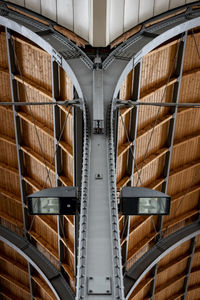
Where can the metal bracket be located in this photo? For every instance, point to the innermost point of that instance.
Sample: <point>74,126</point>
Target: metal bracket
<point>98,104</point>
<point>98,176</point>
<point>99,285</point>
<point>57,57</point>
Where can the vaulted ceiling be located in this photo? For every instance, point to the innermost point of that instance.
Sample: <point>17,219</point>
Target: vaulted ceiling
<point>162,146</point>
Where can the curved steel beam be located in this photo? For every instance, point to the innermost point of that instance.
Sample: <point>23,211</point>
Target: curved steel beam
<point>126,56</point>
<point>54,279</point>
<point>64,52</point>
<point>156,253</point>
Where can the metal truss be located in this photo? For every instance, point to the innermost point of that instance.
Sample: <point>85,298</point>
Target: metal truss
<point>35,258</point>
<point>156,253</point>
<point>18,138</point>
<point>99,268</point>
<point>175,99</point>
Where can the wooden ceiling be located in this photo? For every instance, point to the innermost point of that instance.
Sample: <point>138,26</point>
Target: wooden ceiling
<point>33,77</point>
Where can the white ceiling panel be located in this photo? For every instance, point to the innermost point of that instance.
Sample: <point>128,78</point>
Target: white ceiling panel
<point>176,3</point>
<point>116,21</point>
<point>49,9</point>
<point>19,2</point>
<point>65,13</point>
<point>145,10</point>
<point>100,22</point>
<point>34,5</point>
<point>160,6</point>
<point>131,14</point>
<point>81,18</point>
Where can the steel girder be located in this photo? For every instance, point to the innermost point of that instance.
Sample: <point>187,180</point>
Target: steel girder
<point>156,253</point>
<point>115,68</point>
<point>54,279</point>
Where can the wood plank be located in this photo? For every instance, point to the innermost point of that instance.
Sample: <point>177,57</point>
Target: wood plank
<point>151,158</point>
<point>38,158</point>
<point>123,148</point>
<point>169,283</point>
<point>184,168</point>
<point>69,219</point>
<point>14,263</point>
<point>65,181</point>
<point>47,222</point>
<point>68,245</point>
<point>141,245</point>
<point>180,219</point>
<point>28,118</point>
<point>7,139</point>
<point>9,169</point>
<point>33,183</point>
<point>192,190</point>
<point>157,88</point>
<point>137,225</point>
<point>69,271</point>
<point>66,148</point>
<point>32,85</point>
<point>16,283</point>
<point>11,220</point>
<point>4,70</point>
<point>123,181</point>
<point>187,139</point>
<point>44,244</point>
<point>148,128</point>
<point>11,196</point>
<point>43,285</point>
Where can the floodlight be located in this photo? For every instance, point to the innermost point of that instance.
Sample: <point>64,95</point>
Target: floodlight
<point>143,201</point>
<point>54,201</point>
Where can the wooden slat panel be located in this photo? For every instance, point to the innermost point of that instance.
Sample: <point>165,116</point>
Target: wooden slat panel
<point>42,285</point>
<point>16,283</point>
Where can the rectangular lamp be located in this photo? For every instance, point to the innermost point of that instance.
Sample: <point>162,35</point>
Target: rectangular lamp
<point>54,201</point>
<point>143,201</point>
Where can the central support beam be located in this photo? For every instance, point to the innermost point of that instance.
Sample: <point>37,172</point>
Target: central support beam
<point>99,273</point>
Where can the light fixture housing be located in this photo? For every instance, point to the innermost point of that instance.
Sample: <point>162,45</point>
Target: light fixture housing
<point>143,201</point>
<point>54,201</point>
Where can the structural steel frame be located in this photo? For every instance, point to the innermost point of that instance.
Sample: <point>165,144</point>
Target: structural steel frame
<point>98,175</point>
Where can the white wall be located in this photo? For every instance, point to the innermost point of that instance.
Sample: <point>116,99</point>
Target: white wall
<point>122,15</point>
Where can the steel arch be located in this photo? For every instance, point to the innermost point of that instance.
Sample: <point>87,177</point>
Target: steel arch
<point>127,55</point>
<point>54,279</point>
<point>156,253</point>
